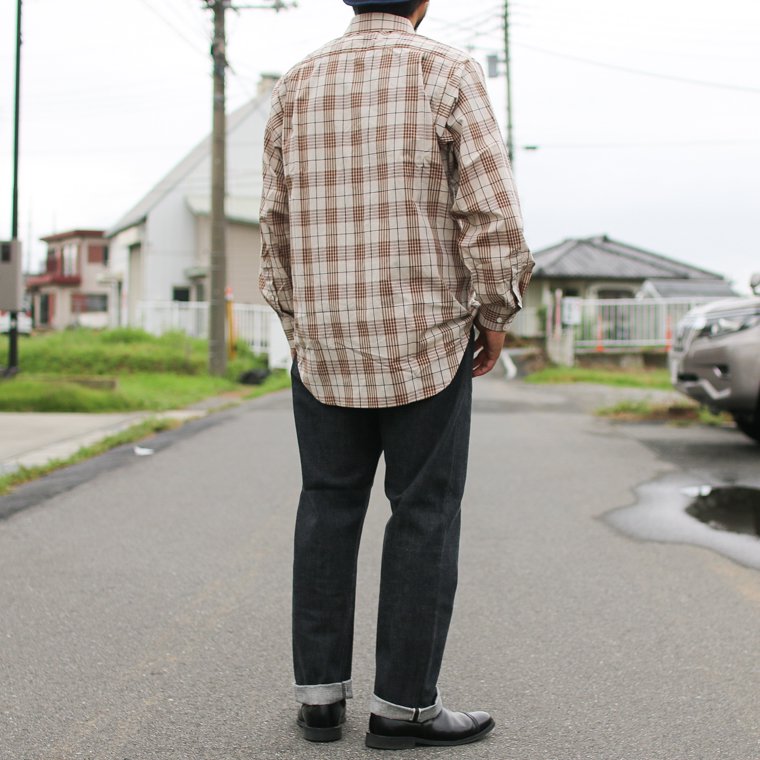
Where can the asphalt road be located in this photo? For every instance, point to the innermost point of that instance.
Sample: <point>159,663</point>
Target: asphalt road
<point>144,601</point>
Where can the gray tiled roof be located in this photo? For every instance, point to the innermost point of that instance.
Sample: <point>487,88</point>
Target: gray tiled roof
<point>603,258</point>
<point>693,287</point>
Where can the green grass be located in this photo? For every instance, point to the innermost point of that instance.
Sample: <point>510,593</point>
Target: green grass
<point>119,371</point>
<point>124,351</point>
<point>132,434</point>
<point>148,372</point>
<point>133,393</point>
<point>279,380</point>
<point>658,379</point>
<point>682,413</point>
<point>706,417</point>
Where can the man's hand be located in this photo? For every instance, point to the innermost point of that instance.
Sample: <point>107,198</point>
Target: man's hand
<point>488,346</point>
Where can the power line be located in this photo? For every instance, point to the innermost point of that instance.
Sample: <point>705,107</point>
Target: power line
<point>182,22</point>
<point>174,28</point>
<point>643,144</point>
<point>630,15</point>
<point>206,29</point>
<point>472,27</point>
<point>642,72</point>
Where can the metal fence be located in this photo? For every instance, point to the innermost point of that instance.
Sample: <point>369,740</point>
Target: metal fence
<point>251,322</point>
<point>599,324</point>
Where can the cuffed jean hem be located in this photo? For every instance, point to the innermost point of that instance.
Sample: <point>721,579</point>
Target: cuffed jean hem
<point>399,712</point>
<point>323,693</point>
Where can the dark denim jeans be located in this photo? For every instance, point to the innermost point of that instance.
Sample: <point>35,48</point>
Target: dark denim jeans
<point>425,446</point>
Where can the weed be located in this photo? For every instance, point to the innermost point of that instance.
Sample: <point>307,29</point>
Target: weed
<point>656,379</point>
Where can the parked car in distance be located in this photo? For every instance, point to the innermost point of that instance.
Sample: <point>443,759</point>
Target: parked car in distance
<point>24,322</point>
<point>716,358</point>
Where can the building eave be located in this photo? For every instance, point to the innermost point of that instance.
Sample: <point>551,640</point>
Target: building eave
<point>112,233</point>
<point>70,234</point>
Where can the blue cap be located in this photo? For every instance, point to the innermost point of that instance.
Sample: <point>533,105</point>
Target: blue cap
<point>354,3</point>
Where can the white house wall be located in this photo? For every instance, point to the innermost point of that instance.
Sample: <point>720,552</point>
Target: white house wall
<point>118,271</point>
<point>169,247</point>
<point>245,150</point>
<point>169,234</point>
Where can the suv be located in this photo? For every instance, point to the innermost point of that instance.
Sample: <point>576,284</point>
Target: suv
<point>716,358</point>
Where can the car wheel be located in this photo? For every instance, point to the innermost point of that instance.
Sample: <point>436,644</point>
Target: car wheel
<point>749,424</point>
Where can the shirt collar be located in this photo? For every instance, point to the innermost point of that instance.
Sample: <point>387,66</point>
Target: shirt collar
<point>379,22</point>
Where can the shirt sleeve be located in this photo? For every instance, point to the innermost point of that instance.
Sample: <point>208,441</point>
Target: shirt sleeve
<point>275,278</point>
<point>485,205</point>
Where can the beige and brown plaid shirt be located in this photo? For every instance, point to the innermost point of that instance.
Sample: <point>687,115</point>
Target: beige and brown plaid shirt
<point>388,215</point>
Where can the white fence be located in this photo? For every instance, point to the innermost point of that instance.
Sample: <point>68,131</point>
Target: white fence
<point>528,323</point>
<point>619,323</point>
<point>596,324</point>
<point>256,325</point>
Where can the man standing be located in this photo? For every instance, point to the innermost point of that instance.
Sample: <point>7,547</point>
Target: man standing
<point>390,228</point>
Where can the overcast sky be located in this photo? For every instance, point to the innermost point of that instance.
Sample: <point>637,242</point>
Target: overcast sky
<point>645,116</point>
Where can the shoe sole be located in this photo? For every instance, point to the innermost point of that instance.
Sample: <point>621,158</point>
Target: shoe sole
<point>378,741</point>
<point>329,734</point>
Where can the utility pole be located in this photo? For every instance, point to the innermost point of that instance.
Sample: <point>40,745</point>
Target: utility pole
<point>510,141</point>
<point>217,353</point>
<point>493,61</point>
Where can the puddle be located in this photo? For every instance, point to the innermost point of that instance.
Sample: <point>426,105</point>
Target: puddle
<point>734,508</point>
<point>724,517</point>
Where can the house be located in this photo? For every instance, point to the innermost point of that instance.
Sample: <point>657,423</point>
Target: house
<point>69,292</point>
<point>600,268</point>
<point>160,249</point>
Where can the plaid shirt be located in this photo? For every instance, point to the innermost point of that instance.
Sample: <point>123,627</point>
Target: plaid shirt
<point>388,217</point>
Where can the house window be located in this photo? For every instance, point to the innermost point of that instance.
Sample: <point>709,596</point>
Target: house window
<point>70,263</point>
<point>181,294</point>
<point>88,303</point>
<point>51,265</point>
<point>96,254</point>
<point>615,293</point>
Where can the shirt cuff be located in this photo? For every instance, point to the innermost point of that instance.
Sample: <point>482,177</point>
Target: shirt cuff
<point>496,319</point>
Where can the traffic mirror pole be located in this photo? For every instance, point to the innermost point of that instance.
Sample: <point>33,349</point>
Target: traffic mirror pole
<point>12,367</point>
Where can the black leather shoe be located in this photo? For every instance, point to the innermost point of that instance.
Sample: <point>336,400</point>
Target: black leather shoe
<point>322,723</point>
<point>447,729</point>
